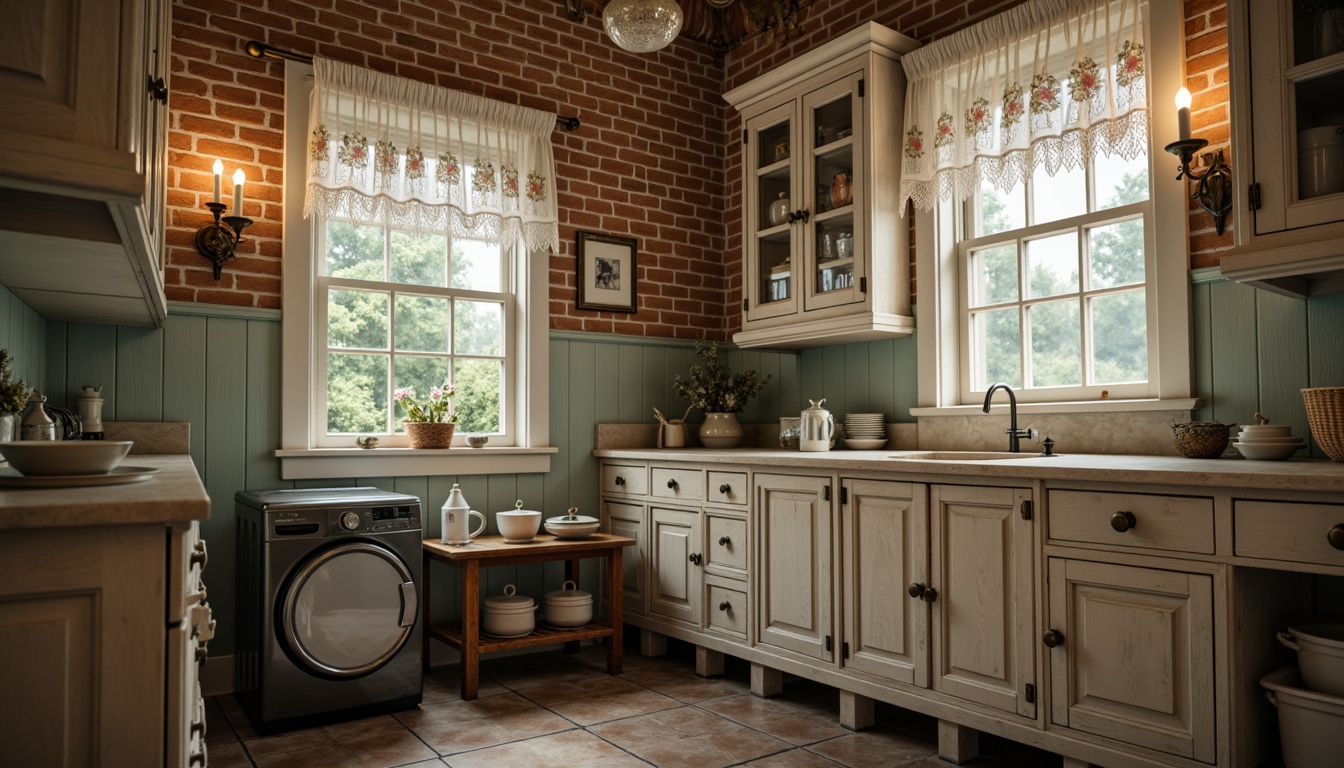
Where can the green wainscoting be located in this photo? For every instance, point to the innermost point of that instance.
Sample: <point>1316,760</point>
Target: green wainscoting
<point>24,333</point>
<point>864,377</point>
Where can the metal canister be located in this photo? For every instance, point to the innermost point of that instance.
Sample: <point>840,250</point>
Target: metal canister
<point>37,425</point>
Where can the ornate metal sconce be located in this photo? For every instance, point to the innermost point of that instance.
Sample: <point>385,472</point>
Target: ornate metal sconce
<point>216,242</point>
<point>1214,188</point>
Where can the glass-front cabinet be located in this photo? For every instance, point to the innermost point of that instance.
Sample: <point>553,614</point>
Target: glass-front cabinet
<point>825,250</point>
<point>1287,74</point>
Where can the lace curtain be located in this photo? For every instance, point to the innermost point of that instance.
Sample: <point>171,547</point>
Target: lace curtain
<point>1049,84</point>
<point>387,150</point>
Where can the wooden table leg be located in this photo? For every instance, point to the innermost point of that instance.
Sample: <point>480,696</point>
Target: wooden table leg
<point>424,605</point>
<point>615,643</point>
<point>572,574</point>
<point>471,630</point>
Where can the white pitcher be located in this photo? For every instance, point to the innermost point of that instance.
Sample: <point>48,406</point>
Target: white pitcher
<point>456,512</point>
<point>817,430</point>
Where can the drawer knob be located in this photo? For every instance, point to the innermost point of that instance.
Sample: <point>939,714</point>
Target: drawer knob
<point>198,758</point>
<point>1122,521</point>
<point>620,480</point>
<point>725,489</point>
<point>1336,536</point>
<point>198,727</point>
<point>930,594</point>
<point>724,541</point>
<point>198,555</point>
<point>202,655</point>
<point>725,606</point>
<point>1052,638</point>
<point>695,558</point>
<point>672,484</point>
<point>916,589</point>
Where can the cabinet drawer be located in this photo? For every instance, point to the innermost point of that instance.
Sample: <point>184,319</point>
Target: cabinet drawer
<point>187,557</point>
<point>727,609</point>
<point>726,549</point>
<point>1175,523</point>
<point>727,488</point>
<point>1289,531</point>
<point>631,479</point>
<point>678,483</point>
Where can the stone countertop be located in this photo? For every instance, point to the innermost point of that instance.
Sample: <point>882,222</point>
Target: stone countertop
<point>173,494</point>
<point>1313,475</point>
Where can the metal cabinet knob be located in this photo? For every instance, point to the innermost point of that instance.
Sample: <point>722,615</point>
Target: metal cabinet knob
<point>724,541</point>
<point>1122,521</point>
<point>725,606</point>
<point>916,589</point>
<point>197,727</point>
<point>672,484</point>
<point>199,556</point>
<point>202,655</point>
<point>158,90</point>
<point>1336,536</point>
<point>197,758</point>
<point>695,558</point>
<point>620,480</point>
<point>1052,638</point>
<point>930,594</point>
<point>725,489</point>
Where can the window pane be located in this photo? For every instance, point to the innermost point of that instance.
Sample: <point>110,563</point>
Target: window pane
<point>1059,196</point>
<point>477,328</point>
<point>1000,211</point>
<point>476,265</point>
<point>1117,254</point>
<point>996,347</point>
<point>354,251</point>
<point>1056,347</point>
<point>1119,338</point>
<point>478,395</point>
<point>357,319</point>
<point>421,374</point>
<point>1119,181</point>
<point>419,259</point>
<point>1052,265</point>
<point>422,324</point>
<point>356,393</point>
<point>994,275</point>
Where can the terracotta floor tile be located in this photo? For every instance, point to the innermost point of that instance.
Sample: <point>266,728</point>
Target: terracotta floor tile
<point>876,748</point>
<point>798,758</point>
<point>599,699</point>
<point>218,729</point>
<point>688,737</point>
<point>797,721</point>
<point>547,668</point>
<point>682,684</point>
<point>362,732</point>
<point>445,684</point>
<point>492,720</point>
<point>237,718</point>
<point>571,748</point>
<point>381,749</point>
<point>229,754</point>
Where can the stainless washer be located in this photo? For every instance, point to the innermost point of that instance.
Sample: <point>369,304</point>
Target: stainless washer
<point>328,604</point>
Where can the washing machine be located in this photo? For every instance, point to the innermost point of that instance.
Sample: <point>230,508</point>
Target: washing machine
<point>328,621</point>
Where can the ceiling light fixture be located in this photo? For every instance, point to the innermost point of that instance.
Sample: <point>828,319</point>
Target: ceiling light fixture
<point>642,26</point>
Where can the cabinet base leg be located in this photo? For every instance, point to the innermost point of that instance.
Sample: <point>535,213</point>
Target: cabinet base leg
<point>856,712</point>
<point>766,682</point>
<point>652,643</point>
<point>708,663</point>
<point>957,743</point>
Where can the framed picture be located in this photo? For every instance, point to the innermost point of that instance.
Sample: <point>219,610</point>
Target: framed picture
<point>606,273</point>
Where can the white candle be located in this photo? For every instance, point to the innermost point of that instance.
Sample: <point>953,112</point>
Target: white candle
<point>238,179</point>
<point>219,169</point>
<point>1183,113</point>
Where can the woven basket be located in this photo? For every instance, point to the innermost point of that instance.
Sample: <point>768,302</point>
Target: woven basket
<point>430,434</point>
<point>1325,415</point>
<point>1201,439</point>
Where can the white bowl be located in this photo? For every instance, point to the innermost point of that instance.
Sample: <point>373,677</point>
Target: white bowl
<point>856,444</point>
<point>1320,655</point>
<point>1263,452</point>
<point>518,525</point>
<point>1266,430</point>
<point>65,457</point>
<point>572,526</point>
<point>1272,440</point>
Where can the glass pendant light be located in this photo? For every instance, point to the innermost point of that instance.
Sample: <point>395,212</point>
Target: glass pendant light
<point>642,26</point>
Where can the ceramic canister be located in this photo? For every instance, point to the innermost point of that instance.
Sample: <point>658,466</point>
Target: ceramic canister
<point>567,607</point>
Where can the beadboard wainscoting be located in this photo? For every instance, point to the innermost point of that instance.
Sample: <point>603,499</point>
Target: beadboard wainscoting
<point>24,333</point>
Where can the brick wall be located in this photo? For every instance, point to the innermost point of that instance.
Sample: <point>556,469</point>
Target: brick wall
<point>1210,115</point>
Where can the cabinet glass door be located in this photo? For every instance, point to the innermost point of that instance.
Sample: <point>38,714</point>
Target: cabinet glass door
<point>772,205</point>
<point>836,244</point>
<point>1317,76</point>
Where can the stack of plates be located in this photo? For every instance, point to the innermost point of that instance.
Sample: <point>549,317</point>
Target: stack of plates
<point>1268,442</point>
<point>865,431</point>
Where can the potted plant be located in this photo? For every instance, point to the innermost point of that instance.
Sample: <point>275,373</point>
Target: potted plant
<point>712,388</point>
<point>431,424</point>
<point>13,398</point>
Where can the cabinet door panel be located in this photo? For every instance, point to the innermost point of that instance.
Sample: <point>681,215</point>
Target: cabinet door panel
<point>885,530</point>
<point>795,563</point>
<point>835,245</point>
<point>675,581</point>
<point>983,614</point>
<point>1136,663</point>
<point>772,270</point>
<point>628,520</point>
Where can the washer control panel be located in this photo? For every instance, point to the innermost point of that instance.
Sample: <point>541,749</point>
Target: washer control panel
<point>379,519</point>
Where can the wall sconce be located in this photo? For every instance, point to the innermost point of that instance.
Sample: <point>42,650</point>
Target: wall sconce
<point>216,242</point>
<point>1214,187</point>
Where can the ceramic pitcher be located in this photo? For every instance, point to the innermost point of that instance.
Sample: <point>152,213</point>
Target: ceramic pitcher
<point>817,428</point>
<point>456,512</point>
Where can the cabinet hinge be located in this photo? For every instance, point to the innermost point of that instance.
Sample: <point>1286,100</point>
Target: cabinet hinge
<point>860,88</point>
<point>1253,196</point>
<point>1031,693</point>
<point>1026,510</point>
<point>844,495</point>
<point>863,285</point>
<point>826,493</point>
<point>844,650</point>
<point>829,646</point>
<point>744,305</point>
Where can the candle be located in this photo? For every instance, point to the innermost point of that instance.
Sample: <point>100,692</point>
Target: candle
<point>1183,113</point>
<point>238,179</point>
<point>219,169</point>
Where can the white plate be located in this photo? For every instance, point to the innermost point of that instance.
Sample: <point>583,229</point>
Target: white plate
<point>864,445</point>
<point>10,478</point>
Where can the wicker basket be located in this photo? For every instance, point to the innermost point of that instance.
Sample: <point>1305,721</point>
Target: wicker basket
<point>427,434</point>
<point>1325,415</point>
<point>1201,439</point>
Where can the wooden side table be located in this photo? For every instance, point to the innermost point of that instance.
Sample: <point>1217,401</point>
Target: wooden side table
<point>491,550</point>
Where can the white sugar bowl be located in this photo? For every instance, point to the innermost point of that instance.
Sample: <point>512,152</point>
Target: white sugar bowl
<point>519,525</point>
<point>508,615</point>
<point>567,607</point>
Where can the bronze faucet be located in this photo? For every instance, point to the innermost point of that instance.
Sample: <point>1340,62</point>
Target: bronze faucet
<point>1014,434</point>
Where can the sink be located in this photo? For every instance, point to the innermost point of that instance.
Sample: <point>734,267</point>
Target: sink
<point>962,455</point>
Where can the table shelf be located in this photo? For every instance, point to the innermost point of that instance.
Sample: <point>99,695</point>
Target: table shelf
<point>542,635</point>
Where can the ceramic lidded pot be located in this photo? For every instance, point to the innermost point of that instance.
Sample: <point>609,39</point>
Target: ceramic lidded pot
<point>567,607</point>
<point>518,525</point>
<point>779,209</point>
<point>508,615</point>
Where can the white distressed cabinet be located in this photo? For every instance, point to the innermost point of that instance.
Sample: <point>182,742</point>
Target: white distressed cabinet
<point>675,560</point>
<point>794,572</point>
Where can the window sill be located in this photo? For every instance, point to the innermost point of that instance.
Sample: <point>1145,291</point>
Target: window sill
<point>1080,406</point>
<point>310,463</point>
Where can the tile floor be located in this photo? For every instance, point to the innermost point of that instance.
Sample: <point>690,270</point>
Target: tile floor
<point>554,709</point>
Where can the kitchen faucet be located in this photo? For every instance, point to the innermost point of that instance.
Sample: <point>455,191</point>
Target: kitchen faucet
<point>1014,434</point>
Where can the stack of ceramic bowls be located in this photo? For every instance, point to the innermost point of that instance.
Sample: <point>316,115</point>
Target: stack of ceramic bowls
<point>865,431</point>
<point>1268,442</point>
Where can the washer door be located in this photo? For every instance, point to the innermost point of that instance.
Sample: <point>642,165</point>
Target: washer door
<point>348,610</point>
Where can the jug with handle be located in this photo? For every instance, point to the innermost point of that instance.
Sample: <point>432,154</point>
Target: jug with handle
<point>817,430</point>
<point>456,513</point>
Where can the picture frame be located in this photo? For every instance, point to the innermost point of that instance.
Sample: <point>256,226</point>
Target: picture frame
<point>607,273</point>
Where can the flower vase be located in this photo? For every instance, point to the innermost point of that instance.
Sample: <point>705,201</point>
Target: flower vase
<point>430,434</point>
<point>720,430</point>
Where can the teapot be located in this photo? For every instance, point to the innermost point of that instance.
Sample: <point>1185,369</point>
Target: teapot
<point>817,430</point>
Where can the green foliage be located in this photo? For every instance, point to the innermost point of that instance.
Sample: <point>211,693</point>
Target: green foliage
<point>713,388</point>
<point>13,392</point>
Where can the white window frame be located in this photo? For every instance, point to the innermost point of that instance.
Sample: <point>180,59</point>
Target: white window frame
<point>942,364</point>
<point>302,453</point>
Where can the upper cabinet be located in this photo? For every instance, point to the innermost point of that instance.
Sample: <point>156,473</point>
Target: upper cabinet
<point>825,249</point>
<point>1287,71</point>
<point>82,151</point>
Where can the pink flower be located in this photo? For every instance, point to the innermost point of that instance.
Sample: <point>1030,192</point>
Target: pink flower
<point>916,144</point>
<point>1131,63</point>
<point>435,394</point>
<point>402,393</point>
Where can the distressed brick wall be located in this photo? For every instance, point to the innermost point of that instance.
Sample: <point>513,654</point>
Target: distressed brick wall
<point>1210,115</point>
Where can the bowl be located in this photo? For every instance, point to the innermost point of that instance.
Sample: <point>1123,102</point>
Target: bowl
<point>1266,430</point>
<point>573,525</point>
<point>519,525</point>
<point>1272,440</point>
<point>858,444</point>
<point>567,607</point>
<point>65,457</point>
<point>1320,655</point>
<point>1201,439</point>
<point>1271,452</point>
<point>508,615</point>
<point>477,441</point>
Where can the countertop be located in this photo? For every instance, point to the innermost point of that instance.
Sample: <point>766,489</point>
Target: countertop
<point>1313,475</point>
<point>173,494</point>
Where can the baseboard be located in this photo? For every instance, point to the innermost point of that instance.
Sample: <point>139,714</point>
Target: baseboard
<point>217,676</point>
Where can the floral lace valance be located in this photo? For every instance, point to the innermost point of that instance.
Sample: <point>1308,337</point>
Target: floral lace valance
<point>384,149</point>
<point>1049,84</point>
